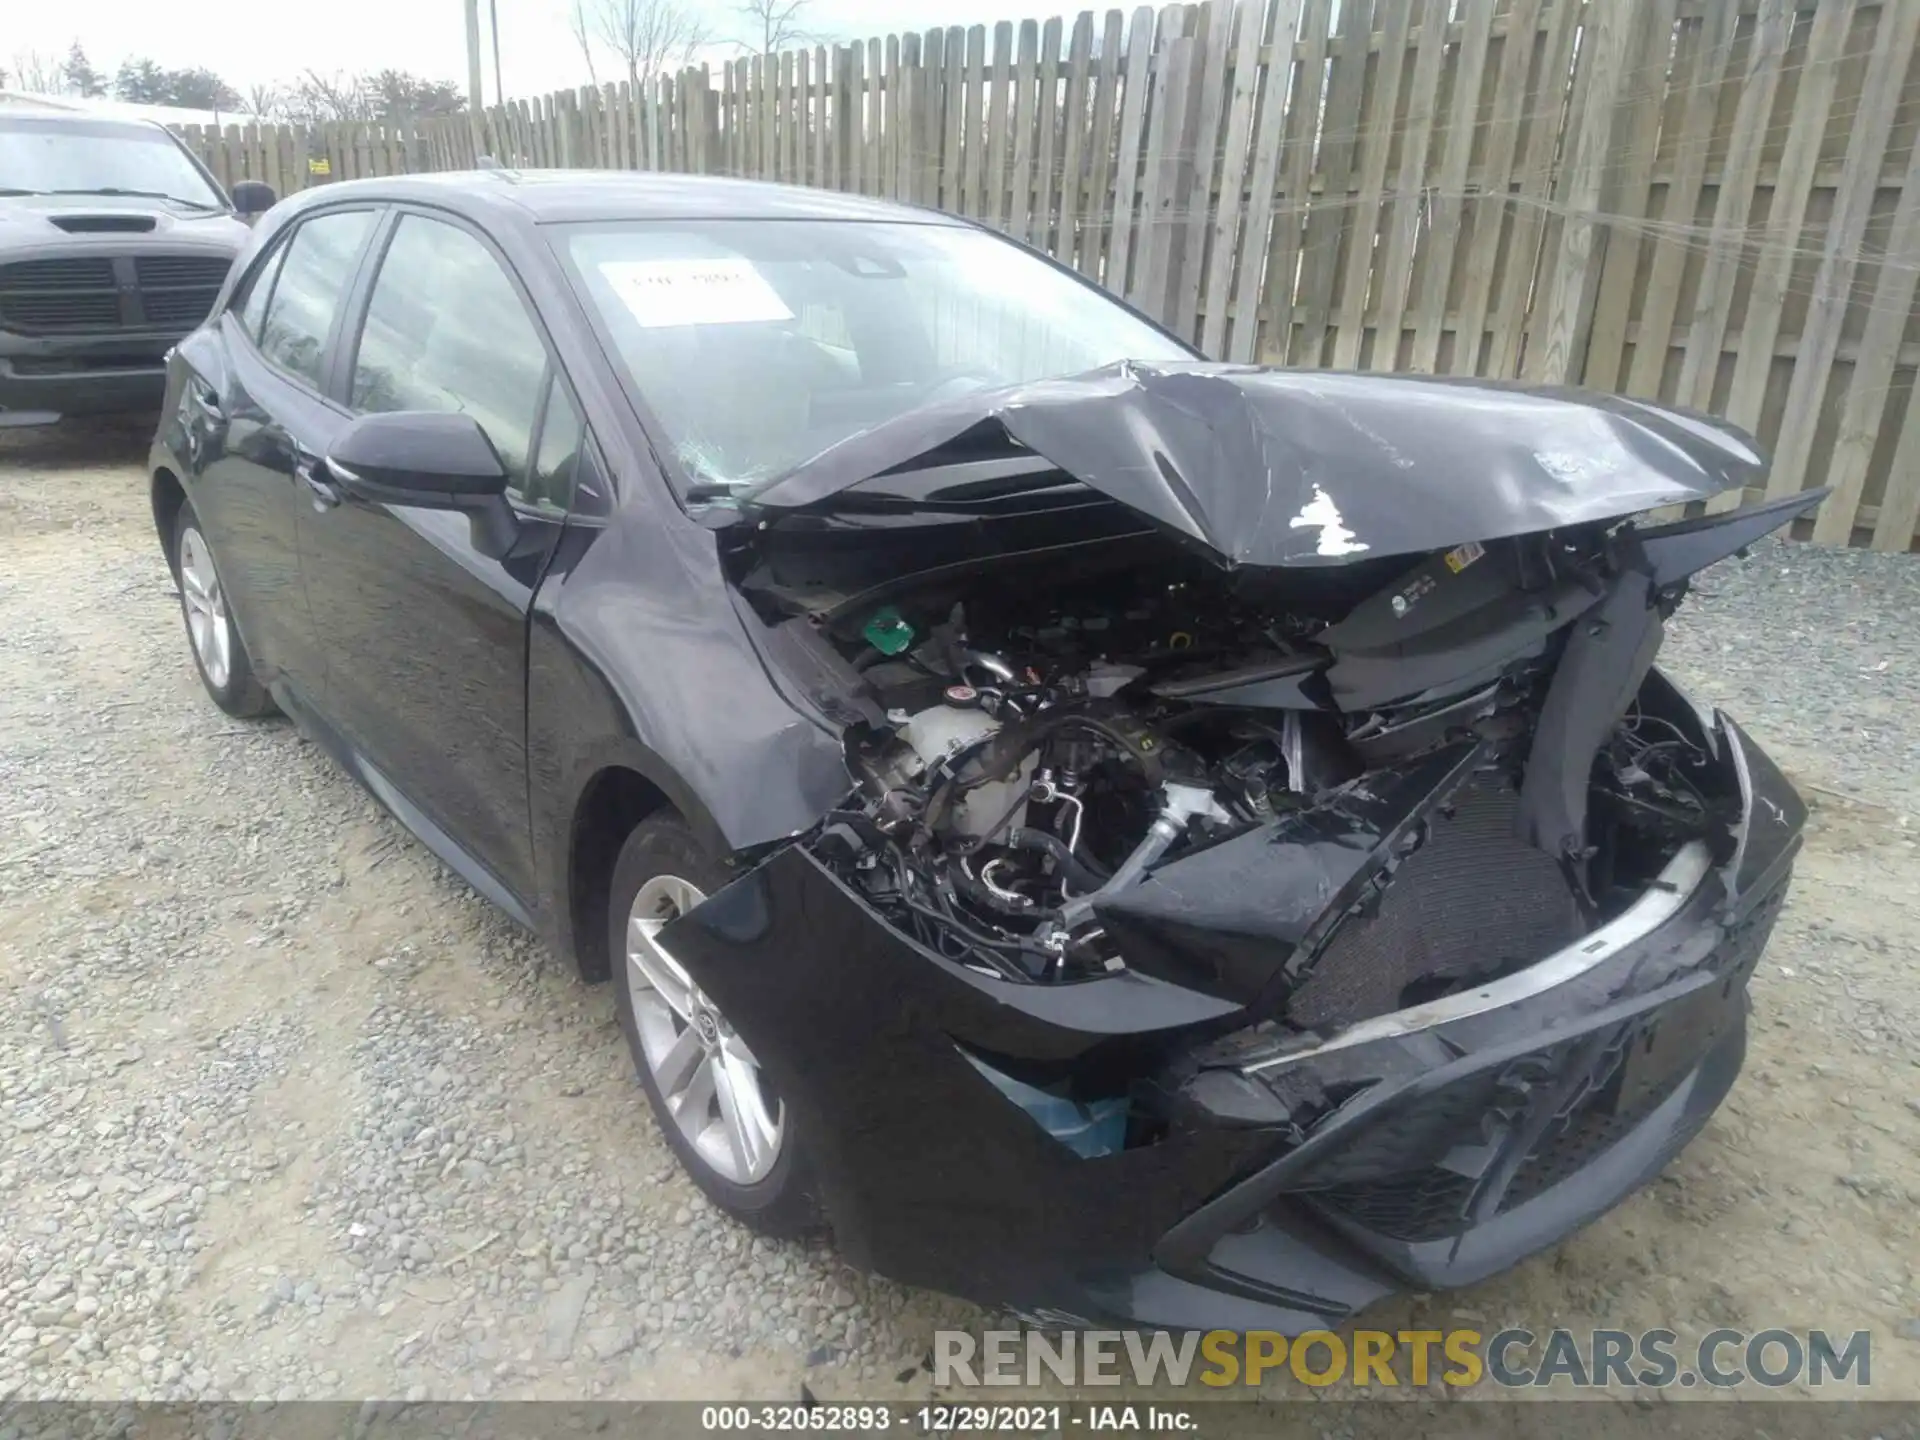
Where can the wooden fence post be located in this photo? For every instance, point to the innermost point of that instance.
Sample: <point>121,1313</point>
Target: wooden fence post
<point>1075,142</point>
<point>1193,199</point>
<point>903,53</point>
<point>871,80</point>
<point>1900,506</point>
<point>705,120</point>
<point>1827,305</point>
<point>1126,165</point>
<point>1095,253</point>
<point>930,121</point>
<point>1292,109</point>
<point>1556,345</point>
<point>843,170</point>
<point>1167,171</point>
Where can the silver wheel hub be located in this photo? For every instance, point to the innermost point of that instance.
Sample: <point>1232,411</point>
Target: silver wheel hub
<point>709,1079</point>
<point>206,607</point>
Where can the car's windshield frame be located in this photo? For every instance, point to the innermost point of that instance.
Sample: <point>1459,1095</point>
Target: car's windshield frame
<point>18,177</point>
<point>693,490</point>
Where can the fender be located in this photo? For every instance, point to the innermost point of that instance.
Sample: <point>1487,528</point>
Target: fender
<point>627,752</point>
<point>1686,547</point>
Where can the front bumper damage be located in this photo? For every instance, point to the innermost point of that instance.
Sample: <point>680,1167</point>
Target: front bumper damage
<point>1269,1179</point>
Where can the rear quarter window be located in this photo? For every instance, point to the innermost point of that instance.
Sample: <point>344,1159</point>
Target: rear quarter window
<point>256,290</point>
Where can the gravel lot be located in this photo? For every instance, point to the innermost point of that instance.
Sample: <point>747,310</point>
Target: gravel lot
<point>287,1111</point>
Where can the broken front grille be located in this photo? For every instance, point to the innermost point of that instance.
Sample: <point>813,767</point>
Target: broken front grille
<point>1473,901</point>
<point>1432,1203</point>
<point>1433,1198</point>
<point>104,295</point>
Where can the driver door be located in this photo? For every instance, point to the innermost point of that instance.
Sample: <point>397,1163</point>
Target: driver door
<point>426,634</point>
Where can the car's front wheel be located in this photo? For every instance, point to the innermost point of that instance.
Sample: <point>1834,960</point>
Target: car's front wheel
<point>218,654</point>
<point>716,1106</point>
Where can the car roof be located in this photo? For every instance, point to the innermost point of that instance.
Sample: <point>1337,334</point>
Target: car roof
<point>13,112</point>
<point>561,196</point>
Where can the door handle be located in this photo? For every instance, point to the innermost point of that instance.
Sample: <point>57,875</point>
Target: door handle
<point>312,469</point>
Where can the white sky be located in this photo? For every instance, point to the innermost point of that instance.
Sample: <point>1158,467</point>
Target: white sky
<point>257,41</point>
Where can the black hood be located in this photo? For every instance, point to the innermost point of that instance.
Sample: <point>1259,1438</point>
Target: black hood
<point>31,222</point>
<point>1303,467</point>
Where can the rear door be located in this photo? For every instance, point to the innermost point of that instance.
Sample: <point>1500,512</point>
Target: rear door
<point>256,421</point>
<point>426,634</point>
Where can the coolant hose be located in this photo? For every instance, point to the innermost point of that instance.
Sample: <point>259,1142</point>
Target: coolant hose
<point>1085,877</point>
<point>977,891</point>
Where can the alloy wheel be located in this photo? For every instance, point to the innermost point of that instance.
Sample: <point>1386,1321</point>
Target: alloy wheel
<point>709,1079</point>
<point>206,607</point>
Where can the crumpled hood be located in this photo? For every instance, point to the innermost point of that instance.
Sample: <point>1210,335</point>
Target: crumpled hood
<point>1302,467</point>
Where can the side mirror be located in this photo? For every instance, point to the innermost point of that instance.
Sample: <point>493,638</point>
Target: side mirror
<point>253,197</point>
<point>430,460</point>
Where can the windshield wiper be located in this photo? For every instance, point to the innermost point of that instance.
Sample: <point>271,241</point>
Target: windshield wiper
<point>140,195</point>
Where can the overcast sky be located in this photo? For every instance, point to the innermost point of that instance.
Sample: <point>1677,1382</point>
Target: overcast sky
<point>257,41</point>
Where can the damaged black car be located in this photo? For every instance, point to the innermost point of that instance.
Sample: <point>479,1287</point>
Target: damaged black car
<point>1119,837</point>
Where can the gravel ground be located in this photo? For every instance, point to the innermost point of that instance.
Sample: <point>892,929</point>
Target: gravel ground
<point>287,1111</point>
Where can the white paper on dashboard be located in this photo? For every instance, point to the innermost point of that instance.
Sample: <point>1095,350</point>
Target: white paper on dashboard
<point>659,293</point>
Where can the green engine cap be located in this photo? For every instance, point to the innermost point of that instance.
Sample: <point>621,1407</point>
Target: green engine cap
<point>888,632</point>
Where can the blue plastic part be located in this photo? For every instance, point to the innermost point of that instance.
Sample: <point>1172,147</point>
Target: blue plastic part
<point>1088,1130</point>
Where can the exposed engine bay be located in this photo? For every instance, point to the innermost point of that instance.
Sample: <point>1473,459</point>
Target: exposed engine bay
<point>1258,783</point>
<point>1246,682</point>
<point>1126,758</point>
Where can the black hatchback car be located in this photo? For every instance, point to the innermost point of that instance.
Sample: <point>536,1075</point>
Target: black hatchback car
<point>1114,835</point>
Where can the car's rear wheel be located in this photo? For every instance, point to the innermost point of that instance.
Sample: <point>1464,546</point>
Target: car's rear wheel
<point>218,653</point>
<point>716,1106</point>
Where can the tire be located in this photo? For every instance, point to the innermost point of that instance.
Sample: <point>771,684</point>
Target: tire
<point>774,1197</point>
<point>212,638</point>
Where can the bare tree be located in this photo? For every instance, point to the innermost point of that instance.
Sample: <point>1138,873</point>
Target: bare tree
<point>38,74</point>
<point>316,98</point>
<point>649,36</point>
<point>263,102</point>
<point>774,25</point>
<point>582,28</point>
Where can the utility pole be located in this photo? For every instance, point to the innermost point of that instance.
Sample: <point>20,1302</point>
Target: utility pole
<point>499,85</point>
<point>476,97</point>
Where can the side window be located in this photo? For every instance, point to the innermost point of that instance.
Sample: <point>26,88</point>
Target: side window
<point>313,280</point>
<point>550,480</point>
<point>445,330</point>
<point>253,301</point>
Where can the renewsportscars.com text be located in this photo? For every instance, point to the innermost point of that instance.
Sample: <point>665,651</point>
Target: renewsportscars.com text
<point>1510,1358</point>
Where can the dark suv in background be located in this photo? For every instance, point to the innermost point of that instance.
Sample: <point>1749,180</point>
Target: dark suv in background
<point>114,241</point>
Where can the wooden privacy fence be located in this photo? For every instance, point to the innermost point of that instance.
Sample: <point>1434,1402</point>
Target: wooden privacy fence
<point>1710,202</point>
